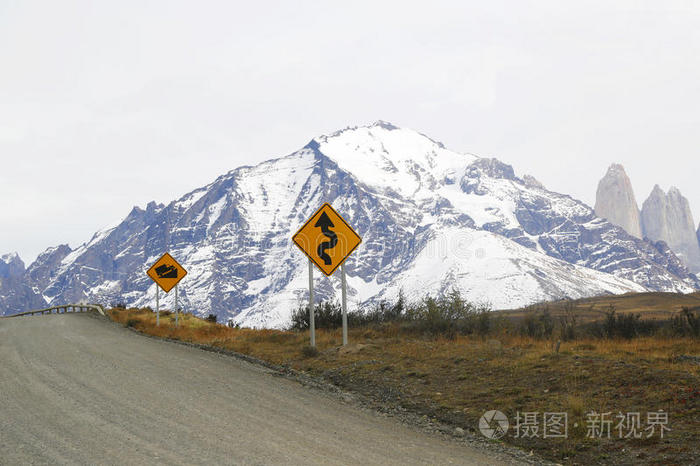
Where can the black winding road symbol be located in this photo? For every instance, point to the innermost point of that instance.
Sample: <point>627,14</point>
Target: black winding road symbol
<point>325,224</point>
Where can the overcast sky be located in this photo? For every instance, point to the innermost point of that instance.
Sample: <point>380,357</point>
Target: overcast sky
<point>107,105</point>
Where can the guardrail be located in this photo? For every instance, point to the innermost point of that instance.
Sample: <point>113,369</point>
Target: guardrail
<point>66,308</point>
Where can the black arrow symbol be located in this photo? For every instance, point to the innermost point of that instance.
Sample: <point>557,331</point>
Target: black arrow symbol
<point>325,224</point>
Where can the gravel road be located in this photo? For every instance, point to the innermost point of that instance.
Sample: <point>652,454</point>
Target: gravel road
<point>77,389</point>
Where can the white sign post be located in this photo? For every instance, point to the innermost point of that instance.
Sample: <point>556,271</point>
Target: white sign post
<point>312,323</point>
<point>344,294</point>
<point>177,309</point>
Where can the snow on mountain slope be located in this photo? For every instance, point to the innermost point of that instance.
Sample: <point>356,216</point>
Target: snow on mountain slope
<point>484,266</point>
<point>392,159</point>
<point>438,183</point>
<point>500,272</point>
<point>430,219</point>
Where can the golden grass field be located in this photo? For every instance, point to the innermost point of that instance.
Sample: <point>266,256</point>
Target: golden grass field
<point>656,305</point>
<point>456,380</point>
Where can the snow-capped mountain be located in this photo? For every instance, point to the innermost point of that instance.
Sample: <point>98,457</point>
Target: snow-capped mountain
<point>430,219</point>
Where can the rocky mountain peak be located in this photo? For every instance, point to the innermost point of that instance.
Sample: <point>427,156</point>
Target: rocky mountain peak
<point>46,265</point>
<point>616,169</point>
<point>16,294</point>
<point>494,168</point>
<point>657,192</point>
<point>391,158</point>
<point>667,217</point>
<point>675,193</point>
<point>532,182</point>
<point>11,265</point>
<point>615,201</point>
<point>384,124</point>
<point>10,257</point>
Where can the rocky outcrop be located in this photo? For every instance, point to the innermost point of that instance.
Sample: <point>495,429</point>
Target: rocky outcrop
<point>615,201</point>
<point>11,266</point>
<point>667,217</point>
<point>40,273</point>
<point>16,295</point>
<point>532,182</point>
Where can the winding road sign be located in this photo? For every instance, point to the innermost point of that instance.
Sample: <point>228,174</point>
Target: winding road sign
<point>166,272</point>
<point>327,239</point>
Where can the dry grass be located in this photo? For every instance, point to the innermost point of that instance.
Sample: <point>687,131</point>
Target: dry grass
<point>457,380</point>
<point>655,305</point>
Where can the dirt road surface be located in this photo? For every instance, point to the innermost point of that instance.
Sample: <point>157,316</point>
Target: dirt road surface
<point>77,389</point>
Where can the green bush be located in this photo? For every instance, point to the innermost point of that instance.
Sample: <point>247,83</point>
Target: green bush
<point>327,314</point>
<point>693,321</point>
<point>686,324</point>
<point>537,325</point>
<point>445,316</point>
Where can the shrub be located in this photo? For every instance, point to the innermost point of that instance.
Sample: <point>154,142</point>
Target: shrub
<point>212,318</point>
<point>300,318</point>
<point>568,322</point>
<point>447,316</point>
<point>131,322</point>
<point>451,315</point>
<point>693,321</point>
<point>537,325</point>
<point>309,351</point>
<point>381,313</point>
<point>687,323</point>
<point>546,323</point>
<point>626,326</point>
<point>327,314</point>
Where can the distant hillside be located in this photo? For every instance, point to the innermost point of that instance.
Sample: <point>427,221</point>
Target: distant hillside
<point>655,305</point>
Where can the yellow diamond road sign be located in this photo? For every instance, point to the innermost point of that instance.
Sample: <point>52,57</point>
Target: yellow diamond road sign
<point>166,272</point>
<point>327,239</point>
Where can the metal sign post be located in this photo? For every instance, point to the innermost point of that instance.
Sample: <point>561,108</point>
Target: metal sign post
<point>177,309</point>
<point>312,323</point>
<point>157,306</point>
<point>344,295</point>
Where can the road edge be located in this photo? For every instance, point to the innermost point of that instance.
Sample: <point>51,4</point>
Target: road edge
<point>502,451</point>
